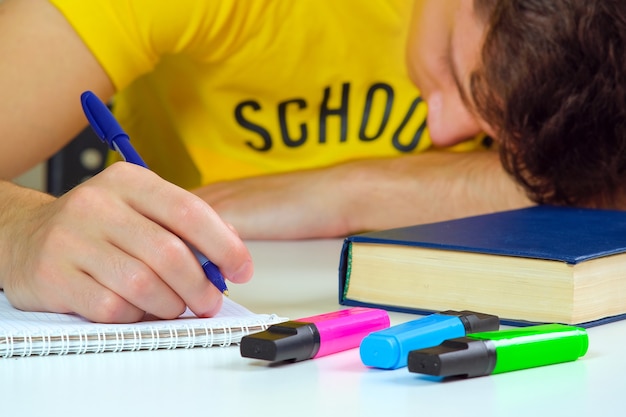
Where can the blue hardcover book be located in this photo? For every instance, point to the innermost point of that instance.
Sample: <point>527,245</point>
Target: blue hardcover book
<point>534,265</point>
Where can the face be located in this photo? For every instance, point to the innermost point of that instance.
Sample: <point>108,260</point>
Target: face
<point>444,48</point>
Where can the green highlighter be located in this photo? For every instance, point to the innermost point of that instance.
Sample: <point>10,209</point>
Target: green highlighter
<point>495,352</point>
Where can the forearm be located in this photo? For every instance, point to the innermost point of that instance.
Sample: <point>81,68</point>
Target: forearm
<point>365,195</point>
<point>428,187</point>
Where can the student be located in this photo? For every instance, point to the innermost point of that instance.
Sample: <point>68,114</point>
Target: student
<point>291,119</point>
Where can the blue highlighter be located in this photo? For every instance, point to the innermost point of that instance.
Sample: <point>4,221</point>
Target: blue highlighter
<point>389,348</point>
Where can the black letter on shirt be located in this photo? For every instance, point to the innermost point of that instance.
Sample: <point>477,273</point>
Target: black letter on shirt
<point>368,108</point>
<point>341,112</point>
<point>418,134</point>
<point>246,124</point>
<point>282,119</point>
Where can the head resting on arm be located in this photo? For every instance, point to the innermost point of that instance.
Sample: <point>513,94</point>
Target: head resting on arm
<point>552,83</point>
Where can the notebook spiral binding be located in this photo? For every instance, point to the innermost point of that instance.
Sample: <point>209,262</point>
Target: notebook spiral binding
<point>118,339</point>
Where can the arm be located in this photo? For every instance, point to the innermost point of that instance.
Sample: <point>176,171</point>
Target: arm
<point>44,69</point>
<point>110,248</point>
<point>365,195</point>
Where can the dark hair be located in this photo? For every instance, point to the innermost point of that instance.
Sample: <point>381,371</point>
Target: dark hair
<point>552,84</point>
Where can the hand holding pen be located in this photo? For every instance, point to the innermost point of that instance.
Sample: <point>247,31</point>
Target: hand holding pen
<point>114,248</point>
<point>109,131</point>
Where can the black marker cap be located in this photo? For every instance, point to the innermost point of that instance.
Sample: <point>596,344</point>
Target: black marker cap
<point>455,357</point>
<point>475,322</point>
<point>289,341</point>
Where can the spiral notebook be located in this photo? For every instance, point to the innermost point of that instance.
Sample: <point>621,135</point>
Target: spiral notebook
<point>31,333</point>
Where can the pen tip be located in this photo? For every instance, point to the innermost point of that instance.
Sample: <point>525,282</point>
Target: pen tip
<point>226,293</point>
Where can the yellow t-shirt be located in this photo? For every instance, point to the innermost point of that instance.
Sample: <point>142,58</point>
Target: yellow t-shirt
<point>225,89</point>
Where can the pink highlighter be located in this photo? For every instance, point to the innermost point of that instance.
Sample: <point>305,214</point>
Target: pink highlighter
<point>316,336</point>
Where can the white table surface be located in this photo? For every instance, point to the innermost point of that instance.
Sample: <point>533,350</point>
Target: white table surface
<point>299,279</point>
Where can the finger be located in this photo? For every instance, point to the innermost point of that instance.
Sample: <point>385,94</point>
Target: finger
<point>98,303</point>
<point>133,280</point>
<point>60,287</point>
<point>233,229</point>
<point>175,278</point>
<point>133,257</point>
<point>190,218</point>
<point>118,270</point>
<point>147,264</point>
<point>113,250</point>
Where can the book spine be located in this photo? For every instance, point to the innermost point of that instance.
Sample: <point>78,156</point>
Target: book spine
<point>344,269</point>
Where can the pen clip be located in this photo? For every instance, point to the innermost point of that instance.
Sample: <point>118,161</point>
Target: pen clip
<point>108,129</point>
<point>101,119</point>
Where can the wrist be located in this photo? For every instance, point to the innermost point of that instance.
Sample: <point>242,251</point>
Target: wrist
<point>17,212</point>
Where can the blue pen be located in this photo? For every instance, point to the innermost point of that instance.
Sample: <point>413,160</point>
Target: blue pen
<point>109,131</point>
<point>389,348</point>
